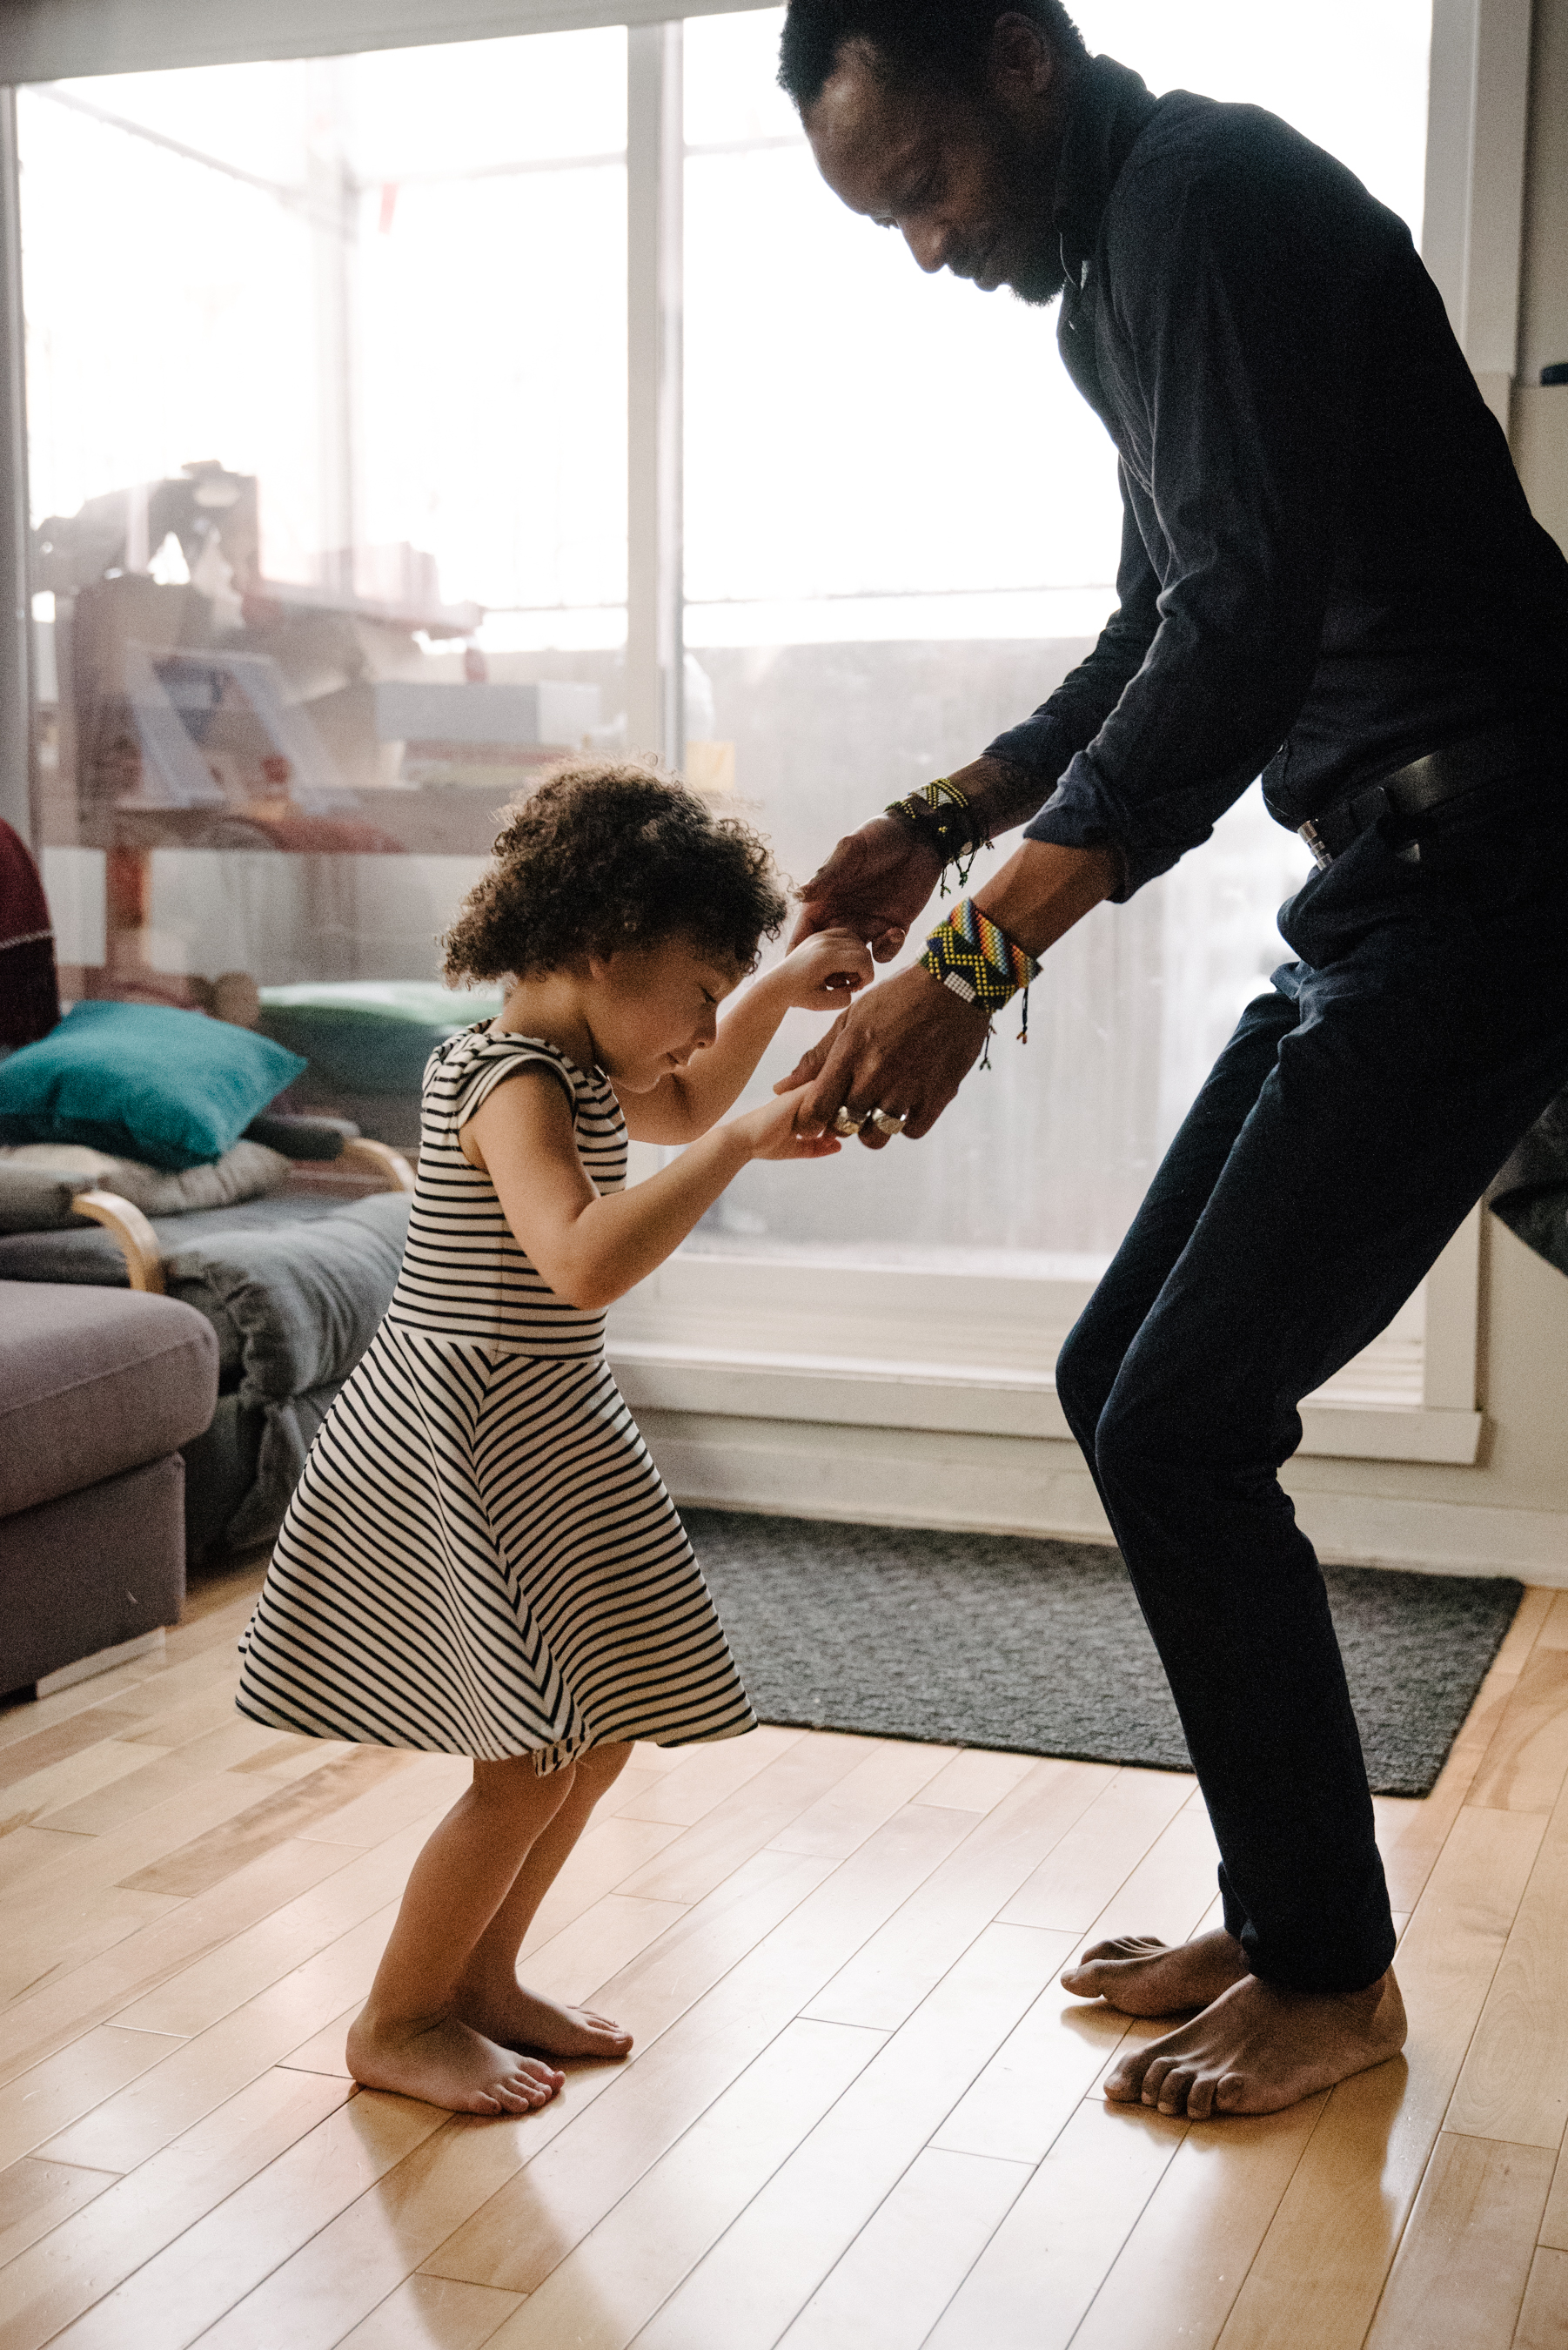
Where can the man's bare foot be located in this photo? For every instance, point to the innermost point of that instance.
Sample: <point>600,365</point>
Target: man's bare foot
<point>1141,1975</point>
<point>1258,2048</point>
<point>447,2064</point>
<point>522,2019</point>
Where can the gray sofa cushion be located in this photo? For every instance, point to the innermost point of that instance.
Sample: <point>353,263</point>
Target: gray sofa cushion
<point>39,1198</point>
<point>88,1253</point>
<point>93,1383</point>
<point>249,1172</point>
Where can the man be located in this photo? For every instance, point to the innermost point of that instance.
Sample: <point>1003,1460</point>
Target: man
<point>1328,575</point>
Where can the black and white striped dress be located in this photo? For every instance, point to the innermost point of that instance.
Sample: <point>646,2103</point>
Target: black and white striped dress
<point>480,1558</point>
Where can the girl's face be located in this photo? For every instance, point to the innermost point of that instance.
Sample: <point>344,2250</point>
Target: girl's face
<point>650,1008</point>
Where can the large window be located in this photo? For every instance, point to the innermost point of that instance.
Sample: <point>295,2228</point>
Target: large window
<point>329,392</point>
<point>901,528</point>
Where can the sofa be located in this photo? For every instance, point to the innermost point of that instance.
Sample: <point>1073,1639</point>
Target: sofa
<point>99,1390</point>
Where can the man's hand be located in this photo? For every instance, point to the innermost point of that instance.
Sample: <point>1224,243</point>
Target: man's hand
<point>907,1046</point>
<point>874,884</point>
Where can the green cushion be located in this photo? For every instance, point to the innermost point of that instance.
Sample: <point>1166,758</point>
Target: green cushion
<point>370,1036</point>
<point>173,1088</point>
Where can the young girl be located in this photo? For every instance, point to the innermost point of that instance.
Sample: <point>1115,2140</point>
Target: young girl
<point>480,1558</point>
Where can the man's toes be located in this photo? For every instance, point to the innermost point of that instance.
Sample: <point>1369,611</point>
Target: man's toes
<point>1174,2088</point>
<point>1200,2098</point>
<point>1124,2086</point>
<point>1229,2092</point>
<point>1154,2077</point>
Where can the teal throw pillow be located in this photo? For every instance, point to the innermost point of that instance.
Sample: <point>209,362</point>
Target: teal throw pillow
<point>173,1088</point>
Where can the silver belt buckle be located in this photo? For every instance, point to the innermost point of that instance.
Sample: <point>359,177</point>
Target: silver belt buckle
<point>1321,857</point>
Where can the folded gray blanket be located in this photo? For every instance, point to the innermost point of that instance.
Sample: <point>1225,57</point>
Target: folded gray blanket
<point>1531,1194</point>
<point>294,1306</point>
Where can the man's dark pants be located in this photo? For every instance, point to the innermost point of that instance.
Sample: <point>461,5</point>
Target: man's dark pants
<point>1349,1126</point>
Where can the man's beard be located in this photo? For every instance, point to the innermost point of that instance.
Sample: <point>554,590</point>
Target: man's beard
<point>1029,177</point>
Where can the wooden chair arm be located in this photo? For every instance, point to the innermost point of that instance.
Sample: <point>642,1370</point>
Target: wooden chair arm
<point>138,1240</point>
<point>391,1169</point>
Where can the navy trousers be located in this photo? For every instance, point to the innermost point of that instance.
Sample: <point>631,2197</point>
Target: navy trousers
<point>1351,1123</point>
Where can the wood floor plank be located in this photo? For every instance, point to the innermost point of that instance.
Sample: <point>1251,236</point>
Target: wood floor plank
<point>37,2195</point>
<point>1072,1885</point>
<point>250,1961</point>
<point>750,2288</point>
<point>568,2190</point>
<point>1464,2261</point>
<point>1554,1631</point>
<point>181,2291</point>
<point>1543,2318</point>
<point>1173,2285</point>
<point>602,2291</point>
<point>426,1788</point>
<point>881,1782</point>
<point>1321,2266</point>
<point>272,1818</point>
<point>1037,2079</point>
<point>55,1911</point>
<point>758,1813</point>
<point>707,1774</point>
<point>977,1780</point>
<point>1172,1887</point>
<point>89,2256</point>
<point>199,2074</point>
<point>73,1932</point>
<point>1527,1760</point>
<point>1514,2083</point>
<point>52,1792</point>
<point>26,1850</point>
<point>38,2103</point>
<point>185,1932</point>
<point>1030,2286</point>
<point>911,2256</point>
<point>432,2313</point>
<point>323,2051</point>
<point>573,1964</point>
<point>884,1982</point>
<point>32,1749</point>
<point>605,1860</point>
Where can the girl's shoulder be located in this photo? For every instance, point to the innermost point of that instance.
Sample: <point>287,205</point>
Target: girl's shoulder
<point>468,1067</point>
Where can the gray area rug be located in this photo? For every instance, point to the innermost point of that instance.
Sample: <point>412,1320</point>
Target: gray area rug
<point>1040,1646</point>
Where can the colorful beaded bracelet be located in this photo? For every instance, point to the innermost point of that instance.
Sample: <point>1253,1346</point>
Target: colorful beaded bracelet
<point>978,963</point>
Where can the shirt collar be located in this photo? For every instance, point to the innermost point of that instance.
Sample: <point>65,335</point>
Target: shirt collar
<point>1110,106</point>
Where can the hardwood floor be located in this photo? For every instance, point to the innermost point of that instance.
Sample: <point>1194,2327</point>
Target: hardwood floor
<point>860,2115</point>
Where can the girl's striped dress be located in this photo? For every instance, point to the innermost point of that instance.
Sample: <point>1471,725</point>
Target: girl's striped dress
<point>480,1558</point>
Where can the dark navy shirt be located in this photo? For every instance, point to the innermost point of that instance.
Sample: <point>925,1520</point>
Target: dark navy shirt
<point>1328,566</point>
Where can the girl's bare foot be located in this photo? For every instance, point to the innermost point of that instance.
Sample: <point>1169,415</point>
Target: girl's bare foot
<point>1141,1975</point>
<point>1258,2048</point>
<point>522,2019</point>
<point>445,2063</point>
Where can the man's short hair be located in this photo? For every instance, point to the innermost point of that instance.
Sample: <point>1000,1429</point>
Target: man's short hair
<point>913,40</point>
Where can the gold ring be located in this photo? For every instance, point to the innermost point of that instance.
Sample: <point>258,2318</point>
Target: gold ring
<point>843,1123</point>
<point>887,1122</point>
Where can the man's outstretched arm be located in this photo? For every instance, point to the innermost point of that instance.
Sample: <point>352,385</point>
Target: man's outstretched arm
<point>908,1046</point>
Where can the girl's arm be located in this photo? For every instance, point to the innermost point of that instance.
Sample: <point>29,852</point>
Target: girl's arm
<point>819,976</point>
<point>591,1250</point>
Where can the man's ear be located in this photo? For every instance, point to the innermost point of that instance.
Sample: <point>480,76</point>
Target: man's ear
<point>1022,61</point>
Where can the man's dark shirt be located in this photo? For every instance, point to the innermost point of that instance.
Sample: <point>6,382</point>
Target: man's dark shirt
<point>1326,555</point>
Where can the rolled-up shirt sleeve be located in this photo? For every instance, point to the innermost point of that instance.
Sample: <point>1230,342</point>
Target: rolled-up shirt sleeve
<point>1221,353</point>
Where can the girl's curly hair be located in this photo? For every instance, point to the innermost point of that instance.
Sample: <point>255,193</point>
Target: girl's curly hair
<point>600,857</point>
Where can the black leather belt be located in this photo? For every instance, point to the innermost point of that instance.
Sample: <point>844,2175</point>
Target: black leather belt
<point>1426,783</point>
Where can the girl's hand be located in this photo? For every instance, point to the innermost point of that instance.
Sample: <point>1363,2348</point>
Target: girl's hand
<point>769,1132</point>
<point>824,972</point>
